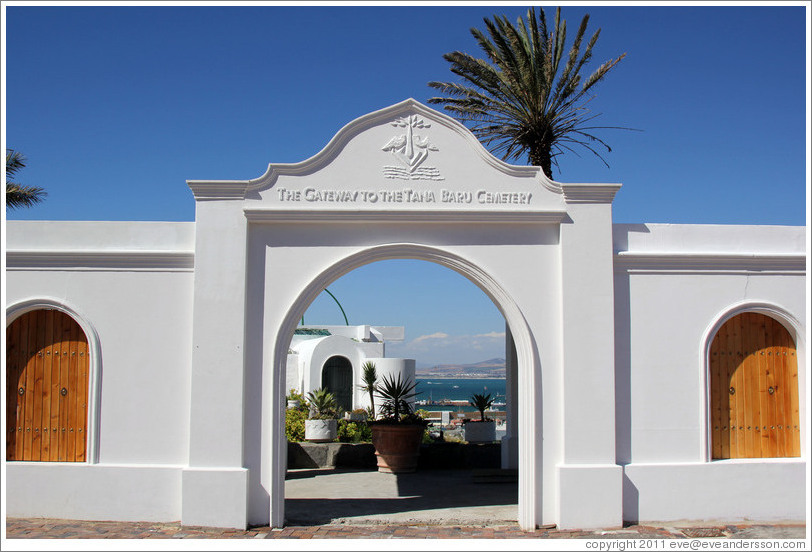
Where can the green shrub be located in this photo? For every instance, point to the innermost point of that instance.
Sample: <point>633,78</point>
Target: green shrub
<point>294,395</point>
<point>295,424</point>
<point>354,432</point>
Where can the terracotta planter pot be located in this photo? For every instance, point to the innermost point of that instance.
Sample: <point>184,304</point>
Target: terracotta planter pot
<point>321,431</point>
<point>480,432</point>
<point>397,446</point>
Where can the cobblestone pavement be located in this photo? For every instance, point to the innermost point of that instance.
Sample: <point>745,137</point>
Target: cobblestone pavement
<point>29,528</point>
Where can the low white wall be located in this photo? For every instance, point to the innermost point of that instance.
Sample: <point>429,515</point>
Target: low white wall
<point>93,491</point>
<point>730,490</point>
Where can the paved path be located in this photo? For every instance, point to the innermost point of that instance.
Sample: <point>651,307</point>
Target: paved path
<point>427,497</point>
<point>67,529</point>
<point>356,504</point>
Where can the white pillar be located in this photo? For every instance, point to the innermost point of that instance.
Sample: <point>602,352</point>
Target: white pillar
<point>215,483</point>
<point>589,481</point>
<point>510,441</point>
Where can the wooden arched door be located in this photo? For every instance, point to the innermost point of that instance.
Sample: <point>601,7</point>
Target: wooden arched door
<point>336,377</point>
<point>46,388</point>
<point>754,389</point>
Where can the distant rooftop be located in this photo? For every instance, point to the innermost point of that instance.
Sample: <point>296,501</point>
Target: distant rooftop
<point>311,331</point>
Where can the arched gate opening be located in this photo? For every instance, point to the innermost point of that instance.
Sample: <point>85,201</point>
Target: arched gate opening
<point>527,368</point>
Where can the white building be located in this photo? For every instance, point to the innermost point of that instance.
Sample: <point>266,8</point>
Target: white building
<point>655,372</point>
<point>333,357</point>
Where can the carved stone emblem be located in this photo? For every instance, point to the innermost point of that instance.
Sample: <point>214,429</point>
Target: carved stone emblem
<point>411,150</point>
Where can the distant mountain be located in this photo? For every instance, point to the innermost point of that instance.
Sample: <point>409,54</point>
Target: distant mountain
<point>491,368</point>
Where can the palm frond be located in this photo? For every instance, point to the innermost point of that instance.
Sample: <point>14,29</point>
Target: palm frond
<point>18,195</point>
<point>526,98</point>
<point>14,162</point>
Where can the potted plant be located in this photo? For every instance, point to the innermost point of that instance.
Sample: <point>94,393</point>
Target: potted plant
<point>321,425</point>
<point>370,380</point>
<point>357,415</point>
<point>398,432</point>
<point>294,399</point>
<point>484,429</point>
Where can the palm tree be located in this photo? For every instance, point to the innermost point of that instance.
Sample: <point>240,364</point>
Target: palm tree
<point>481,402</point>
<point>370,379</point>
<point>519,101</point>
<point>18,195</point>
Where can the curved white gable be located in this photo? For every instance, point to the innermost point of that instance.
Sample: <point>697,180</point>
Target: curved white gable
<point>405,157</point>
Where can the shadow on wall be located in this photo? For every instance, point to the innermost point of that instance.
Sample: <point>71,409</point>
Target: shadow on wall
<point>631,501</point>
<point>623,393</point>
<point>620,234</point>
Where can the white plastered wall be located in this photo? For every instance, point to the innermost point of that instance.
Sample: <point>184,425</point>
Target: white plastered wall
<point>129,286</point>
<point>675,285</point>
<point>218,301</point>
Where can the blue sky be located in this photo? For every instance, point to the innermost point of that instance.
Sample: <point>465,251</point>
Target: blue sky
<point>117,106</point>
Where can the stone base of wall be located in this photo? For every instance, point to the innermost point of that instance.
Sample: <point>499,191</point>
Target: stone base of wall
<point>331,455</point>
<point>463,456</point>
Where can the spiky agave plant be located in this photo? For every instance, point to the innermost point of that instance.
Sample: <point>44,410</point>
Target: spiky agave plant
<point>519,100</point>
<point>323,405</point>
<point>395,395</point>
<point>481,402</point>
<point>369,380</point>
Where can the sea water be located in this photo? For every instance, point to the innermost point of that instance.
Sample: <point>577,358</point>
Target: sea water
<point>437,389</point>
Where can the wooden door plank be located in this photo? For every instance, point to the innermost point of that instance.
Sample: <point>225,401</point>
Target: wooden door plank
<point>741,344</point>
<point>755,331</point>
<point>777,398</point>
<point>25,356</point>
<point>737,381</point>
<point>728,404</point>
<point>84,390</point>
<point>790,362</point>
<point>792,365</point>
<point>771,415</point>
<point>715,399</point>
<point>35,340</point>
<point>725,372</point>
<point>62,428</point>
<point>60,332</point>
<point>14,360</point>
<point>750,385</point>
<point>50,360</point>
<point>82,397</point>
<point>789,394</point>
<point>36,423</point>
<point>775,334</point>
<point>43,331</point>
<point>70,399</point>
<point>62,365</point>
<point>780,396</point>
<point>772,389</point>
<point>751,412</point>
